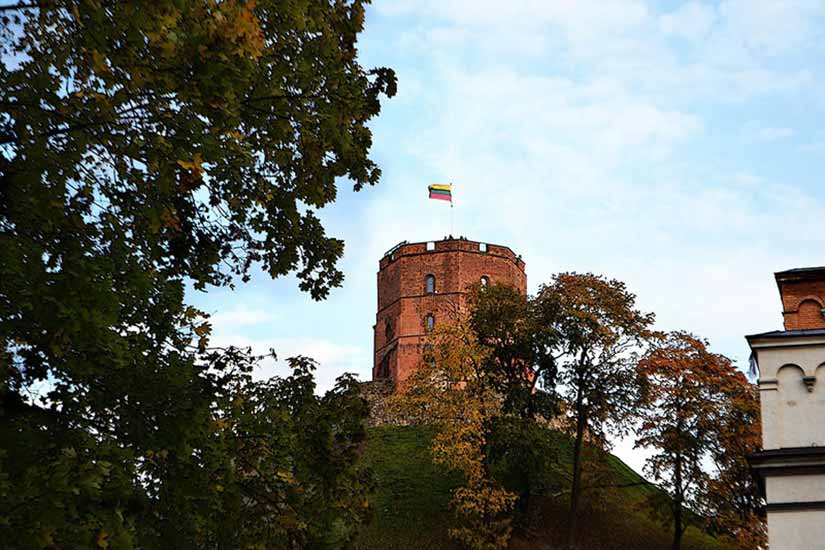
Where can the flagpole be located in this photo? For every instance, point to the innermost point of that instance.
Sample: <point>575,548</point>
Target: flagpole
<point>451,210</point>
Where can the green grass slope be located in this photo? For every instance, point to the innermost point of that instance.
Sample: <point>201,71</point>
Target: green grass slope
<point>410,505</point>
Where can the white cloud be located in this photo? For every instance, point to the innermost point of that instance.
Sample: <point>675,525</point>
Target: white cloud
<point>241,316</point>
<point>729,52</point>
<point>774,27</point>
<point>579,14</point>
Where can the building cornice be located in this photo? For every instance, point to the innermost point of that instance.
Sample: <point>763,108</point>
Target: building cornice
<point>788,461</point>
<point>786,339</point>
<point>447,240</point>
<point>804,506</point>
<point>514,260</point>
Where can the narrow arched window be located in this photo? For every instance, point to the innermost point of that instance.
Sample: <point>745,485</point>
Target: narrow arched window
<point>429,284</point>
<point>485,280</point>
<point>430,322</point>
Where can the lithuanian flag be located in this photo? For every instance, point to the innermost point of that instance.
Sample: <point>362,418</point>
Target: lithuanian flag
<point>441,192</point>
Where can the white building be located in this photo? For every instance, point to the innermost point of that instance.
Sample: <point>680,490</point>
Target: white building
<point>791,365</point>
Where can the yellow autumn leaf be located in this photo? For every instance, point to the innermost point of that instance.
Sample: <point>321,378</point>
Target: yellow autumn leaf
<point>203,329</point>
<point>286,477</point>
<point>194,165</point>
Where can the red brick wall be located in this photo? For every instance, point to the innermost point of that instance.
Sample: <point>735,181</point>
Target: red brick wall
<point>803,297</point>
<point>404,304</point>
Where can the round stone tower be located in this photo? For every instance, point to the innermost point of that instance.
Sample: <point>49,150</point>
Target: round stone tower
<point>423,284</point>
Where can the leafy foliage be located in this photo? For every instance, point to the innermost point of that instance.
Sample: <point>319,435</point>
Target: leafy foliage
<point>600,331</point>
<point>280,470</point>
<point>145,147</point>
<point>201,133</point>
<point>521,336</point>
<point>683,405</point>
<point>528,459</point>
<point>698,409</point>
<point>453,391</point>
<point>582,336</point>
<point>733,500</point>
<point>276,467</point>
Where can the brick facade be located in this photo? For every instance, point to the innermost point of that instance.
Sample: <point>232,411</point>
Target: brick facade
<point>803,297</point>
<point>404,303</point>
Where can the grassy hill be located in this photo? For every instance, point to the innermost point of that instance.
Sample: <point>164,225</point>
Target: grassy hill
<point>412,495</point>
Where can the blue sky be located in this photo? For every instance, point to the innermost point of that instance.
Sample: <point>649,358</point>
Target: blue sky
<point>676,146</point>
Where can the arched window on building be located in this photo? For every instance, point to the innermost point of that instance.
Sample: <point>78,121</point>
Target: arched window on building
<point>429,322</point>
<point>485,280</point>
<point>429,284</point>
<point>389,331</point>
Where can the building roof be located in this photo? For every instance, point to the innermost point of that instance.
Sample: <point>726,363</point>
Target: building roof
<point>775,334</point>
<point>800,274</point>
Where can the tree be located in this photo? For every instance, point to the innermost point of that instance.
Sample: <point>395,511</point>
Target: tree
<point>280,469</point>
<point>146,147</point>
<point>452,391</point>
<point>682,407</point>
<point>194,132</point>
<point>520,333</point>
<point>600,331</point>
<point>733,499</point>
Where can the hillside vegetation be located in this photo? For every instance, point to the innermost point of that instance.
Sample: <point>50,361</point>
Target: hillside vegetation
<point>411,504</point>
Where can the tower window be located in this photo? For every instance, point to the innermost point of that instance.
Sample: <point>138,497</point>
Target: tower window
<point>389,332</point>
<point>429,284</point>
<point>430,322</point>
<point>482,247</point>
<point>485,280</point>
<point>431,246</point>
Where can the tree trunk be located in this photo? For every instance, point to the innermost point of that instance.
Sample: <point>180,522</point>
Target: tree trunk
<point>581,422</point>
<point>677,506</point>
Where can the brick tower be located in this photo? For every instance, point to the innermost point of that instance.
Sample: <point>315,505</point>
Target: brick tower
<point>422,284</point>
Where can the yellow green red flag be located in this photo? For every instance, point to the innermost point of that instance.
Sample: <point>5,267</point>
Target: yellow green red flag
<point>441,192</point>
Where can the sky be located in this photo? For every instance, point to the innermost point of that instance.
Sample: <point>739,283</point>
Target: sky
<point>675,146</point>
